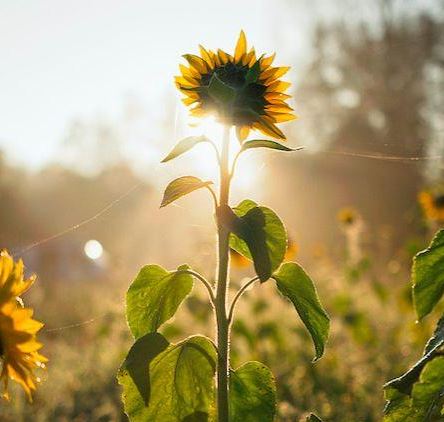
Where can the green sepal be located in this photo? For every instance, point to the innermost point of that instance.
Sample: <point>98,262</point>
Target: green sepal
<point>220,91</point>
<point>253,73</point>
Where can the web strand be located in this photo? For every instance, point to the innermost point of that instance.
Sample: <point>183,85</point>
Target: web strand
<point>81,224</point>
<point>381,157</point>
<point>75,325</point>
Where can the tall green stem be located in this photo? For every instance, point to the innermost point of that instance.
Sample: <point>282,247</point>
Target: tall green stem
<point>223,341</point>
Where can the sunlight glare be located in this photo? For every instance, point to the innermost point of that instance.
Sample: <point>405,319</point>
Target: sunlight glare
<point>93,249</point>
<point>206,164</point>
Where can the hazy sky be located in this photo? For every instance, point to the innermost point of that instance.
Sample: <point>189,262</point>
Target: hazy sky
<point>61,60</point>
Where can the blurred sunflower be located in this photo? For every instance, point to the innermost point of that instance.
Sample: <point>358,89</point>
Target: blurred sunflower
<point>238,260</point>
<point>19,347</point>
<point>12,281</point>
<point>292,250</point>
<point>432,205</point>
<point>347,216</point>
<point>240,90</point>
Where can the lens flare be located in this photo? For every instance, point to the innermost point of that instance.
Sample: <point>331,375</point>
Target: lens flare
<point>93,249</point>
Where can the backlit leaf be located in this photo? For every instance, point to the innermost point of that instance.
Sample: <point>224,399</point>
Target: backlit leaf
<point>313,418</point>
<point>169,382</point>
<point>266,143</point>
<point>428,276</point>
<point>293,282</point>
<point>405,382</point>
<point>181,187</point>
<point>252,394</point>
<point>260,236</point>
<point>425,403</point>
<point>183,146</point>
<point>154,297</point>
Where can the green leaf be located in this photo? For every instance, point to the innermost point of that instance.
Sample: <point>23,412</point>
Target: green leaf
<point>252,394</point>
<point>260,236</point>
<point>184,145</point>
<point>266,143</point>
<point>405,382</point>
<point>426,400</point>
<point>169,383</point>
<point>428,393</point>
<point>253,73</point>
<point>313,418</point>
<point>182,186</point>
<point>428,276</point>
<point>293,282</point>
<point>154,297</point>
<point>398,407</point>
<point>220,91</point>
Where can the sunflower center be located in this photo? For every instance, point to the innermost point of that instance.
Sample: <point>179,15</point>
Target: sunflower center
<point>249,103</point>
<point>438,201</point>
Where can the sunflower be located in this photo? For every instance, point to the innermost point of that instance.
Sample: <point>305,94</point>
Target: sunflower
<point>432,205</point>
<point>237,260</point>
<point>19,347</point>
<point>292,250</point>
<point>241,90</point>
<point>347,216</point>
<point>12,281</point>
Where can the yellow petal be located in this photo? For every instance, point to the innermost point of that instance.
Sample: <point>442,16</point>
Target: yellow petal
<point>266,126</point>
<point>205,55</point>
<point>196,62</point>
<point>269,96</point>
<point>241,47</point>
<point>190,72</point>
<point>249,58</point>
<point>224,57</point>
<point>215,58</point>
<point>191,94</point>
<point>183,81</point>
<point>189,101</point>
<point>197,112</point>
<point>266,61</point>
<point>281,117</point>
<point>242,132</point>
<point>278,86</point>
<point>274,73</point>
<point>279,107</point>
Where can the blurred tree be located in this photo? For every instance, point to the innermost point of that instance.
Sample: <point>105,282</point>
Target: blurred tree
<point>368,90</point>
<point>368,81</point>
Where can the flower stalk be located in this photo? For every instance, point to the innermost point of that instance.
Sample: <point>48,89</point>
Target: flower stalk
<point>223,334</point>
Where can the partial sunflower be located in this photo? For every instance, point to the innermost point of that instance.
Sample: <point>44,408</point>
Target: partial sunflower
<point>242,90</point>
<point>19,347</point>
<point>432,205</point>
<point>292,250</point>
<point>238,261</point>
<point>12,281</point>
<point>347,216</point>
